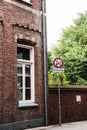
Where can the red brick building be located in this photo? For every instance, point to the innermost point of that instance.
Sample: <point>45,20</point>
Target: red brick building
<point>21,64</point>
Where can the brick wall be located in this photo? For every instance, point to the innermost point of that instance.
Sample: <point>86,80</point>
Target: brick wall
<point>1,68</point>
<point>19,21</point>
<point>71,110</point>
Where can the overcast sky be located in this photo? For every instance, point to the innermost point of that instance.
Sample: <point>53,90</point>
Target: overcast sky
<point>60,14</point>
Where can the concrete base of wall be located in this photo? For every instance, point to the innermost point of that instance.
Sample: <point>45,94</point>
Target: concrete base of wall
<point>22,124</point>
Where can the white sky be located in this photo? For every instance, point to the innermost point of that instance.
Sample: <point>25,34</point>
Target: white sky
<point>60,13</point>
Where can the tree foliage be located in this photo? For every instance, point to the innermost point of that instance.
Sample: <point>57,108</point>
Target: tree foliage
<point>72,48</point>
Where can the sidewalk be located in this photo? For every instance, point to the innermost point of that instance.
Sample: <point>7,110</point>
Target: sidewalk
<point>65,126</point>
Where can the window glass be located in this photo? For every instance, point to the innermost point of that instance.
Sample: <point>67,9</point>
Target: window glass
<point>27,70</point>
<point>28,82</point>
<point>20,79</point>
<point>23,53</point>
<point>20,94</point>
<point>19,68</point>
<point>28,94</point>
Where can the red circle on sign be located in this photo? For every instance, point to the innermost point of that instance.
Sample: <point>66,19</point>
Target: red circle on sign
<point>58,62</point>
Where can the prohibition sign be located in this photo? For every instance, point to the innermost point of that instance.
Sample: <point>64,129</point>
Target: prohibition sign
<point>58,62</point>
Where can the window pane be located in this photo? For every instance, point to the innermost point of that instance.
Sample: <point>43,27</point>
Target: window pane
<point>23,53</point>
<point>28,94</point>
<point>19,68</point>
<point>20,94</point>
<point>19,81</point>
<point>27,82</point>
<point>28,1</point>
<point>27,69</point>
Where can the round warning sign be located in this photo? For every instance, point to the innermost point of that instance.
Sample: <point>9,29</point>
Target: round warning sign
<point>58,62</point>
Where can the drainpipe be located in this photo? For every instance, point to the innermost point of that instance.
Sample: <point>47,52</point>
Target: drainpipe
<point>45,59</point>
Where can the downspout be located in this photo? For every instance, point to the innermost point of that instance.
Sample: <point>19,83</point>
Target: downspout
<point>45,59</point>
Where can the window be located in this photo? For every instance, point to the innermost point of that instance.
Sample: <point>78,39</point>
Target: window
<point>78,98</point>
<point>25,73</point>
<point>26,1</point>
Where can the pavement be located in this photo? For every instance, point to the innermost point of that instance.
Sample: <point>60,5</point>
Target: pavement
<point>82,125</point>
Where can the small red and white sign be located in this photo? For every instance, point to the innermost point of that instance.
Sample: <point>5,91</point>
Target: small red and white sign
<point>58,63</point>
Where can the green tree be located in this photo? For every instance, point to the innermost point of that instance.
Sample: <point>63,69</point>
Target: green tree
<point>49,60</point>
<point>72,47</point>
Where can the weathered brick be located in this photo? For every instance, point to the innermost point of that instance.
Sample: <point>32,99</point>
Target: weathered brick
<point>19,20</point>
<point>71,110</point>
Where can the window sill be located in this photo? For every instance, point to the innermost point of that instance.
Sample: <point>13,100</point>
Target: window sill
<point>26,2</point>
<point>26,105</point>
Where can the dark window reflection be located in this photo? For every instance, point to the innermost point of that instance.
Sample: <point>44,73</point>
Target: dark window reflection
<point>28,94</point>
<point>23,53</point>
<point>27,82</point>
<point>27,69</point>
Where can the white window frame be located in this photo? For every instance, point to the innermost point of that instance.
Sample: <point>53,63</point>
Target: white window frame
<point>78,98</point>
<point>27,1</point>
<point>31,63</point>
